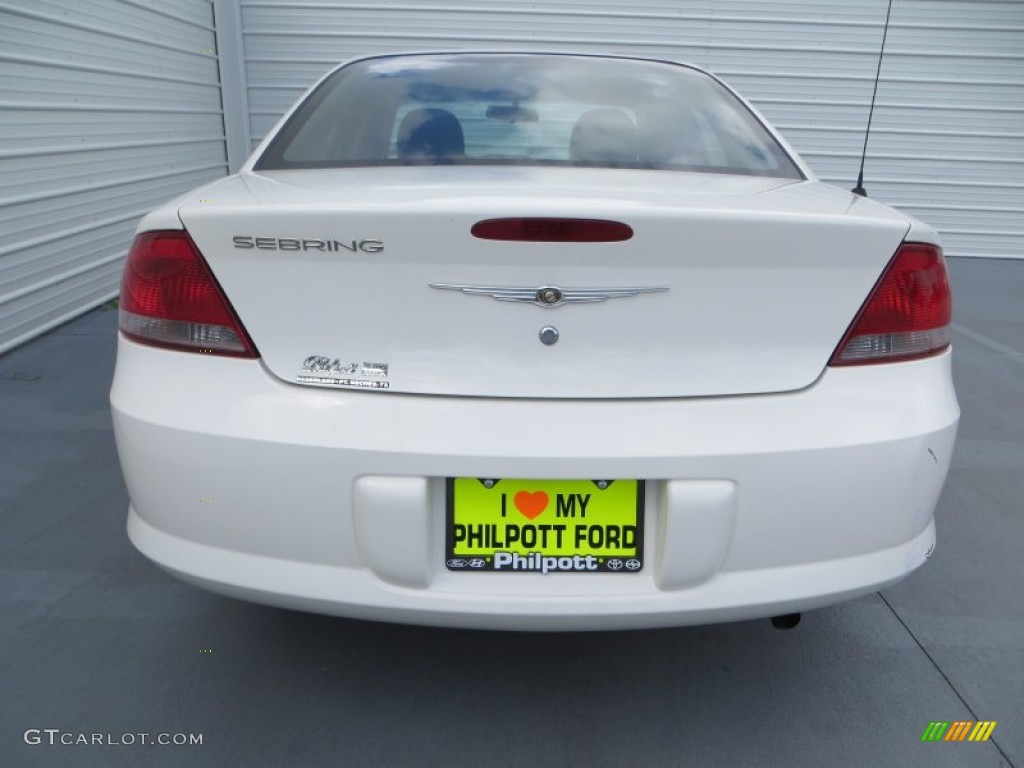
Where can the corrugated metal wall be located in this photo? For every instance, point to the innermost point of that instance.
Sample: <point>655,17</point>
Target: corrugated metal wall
<point>107,108</point>
<point>948,138</point>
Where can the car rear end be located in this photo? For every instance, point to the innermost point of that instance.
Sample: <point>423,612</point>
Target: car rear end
<point>337,388</point>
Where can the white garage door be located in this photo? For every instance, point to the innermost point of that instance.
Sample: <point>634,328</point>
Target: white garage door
<point>106,109</point>
<point>948,137</point>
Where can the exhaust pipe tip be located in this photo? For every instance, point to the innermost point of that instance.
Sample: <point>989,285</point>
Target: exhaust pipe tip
<point>786,621</point>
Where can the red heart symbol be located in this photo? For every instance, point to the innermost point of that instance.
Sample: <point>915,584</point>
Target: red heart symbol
<point>531,504</point>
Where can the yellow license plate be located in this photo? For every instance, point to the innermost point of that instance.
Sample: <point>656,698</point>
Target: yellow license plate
<point>544,526</point>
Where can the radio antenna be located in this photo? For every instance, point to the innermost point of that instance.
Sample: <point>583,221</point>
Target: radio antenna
<point>859,189</point>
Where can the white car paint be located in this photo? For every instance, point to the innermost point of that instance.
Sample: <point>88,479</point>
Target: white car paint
<point>747,261</point>
<point>332,501</point>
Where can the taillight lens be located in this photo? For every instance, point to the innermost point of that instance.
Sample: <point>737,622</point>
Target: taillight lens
<point>169,298</point>
<point>907,314</point>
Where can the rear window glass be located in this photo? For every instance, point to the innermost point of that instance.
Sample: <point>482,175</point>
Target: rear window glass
<point>525,110</point>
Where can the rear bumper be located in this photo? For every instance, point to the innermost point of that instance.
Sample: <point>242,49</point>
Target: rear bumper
<point>357,593</point>
<point>333,501</point>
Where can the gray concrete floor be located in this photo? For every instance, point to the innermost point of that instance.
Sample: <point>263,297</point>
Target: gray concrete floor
<point>94,639</point>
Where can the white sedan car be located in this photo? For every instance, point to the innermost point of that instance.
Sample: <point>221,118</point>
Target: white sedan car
<point>540,342</point>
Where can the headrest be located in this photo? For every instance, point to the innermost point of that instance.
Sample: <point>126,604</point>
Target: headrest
<point>604,136</point>
<point>430,134</point>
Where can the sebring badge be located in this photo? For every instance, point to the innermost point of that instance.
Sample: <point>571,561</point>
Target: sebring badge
<point>548,296</point>
<point>306,244</point>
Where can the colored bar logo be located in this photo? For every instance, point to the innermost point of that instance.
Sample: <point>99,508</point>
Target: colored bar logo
<point>958,730</point>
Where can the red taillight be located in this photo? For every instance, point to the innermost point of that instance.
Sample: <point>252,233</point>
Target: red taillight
<point>553,230</point>
<point>169,298</point>
<point>907,314</point>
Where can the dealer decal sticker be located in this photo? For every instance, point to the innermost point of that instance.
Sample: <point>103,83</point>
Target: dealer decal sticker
<point>321,369</point>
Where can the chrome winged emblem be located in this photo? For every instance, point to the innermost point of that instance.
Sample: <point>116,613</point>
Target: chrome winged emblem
<point>548,296</point>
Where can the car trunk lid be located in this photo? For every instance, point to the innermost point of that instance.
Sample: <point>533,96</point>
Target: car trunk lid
<point>729,285</point>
